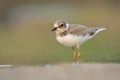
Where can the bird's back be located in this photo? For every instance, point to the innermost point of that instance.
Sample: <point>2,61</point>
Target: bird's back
<point>82,30</point>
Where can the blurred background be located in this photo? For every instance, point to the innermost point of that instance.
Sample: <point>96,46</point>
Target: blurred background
<point>26,37</point>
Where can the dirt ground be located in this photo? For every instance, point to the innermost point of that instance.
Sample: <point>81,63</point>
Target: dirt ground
<point>83,71</point>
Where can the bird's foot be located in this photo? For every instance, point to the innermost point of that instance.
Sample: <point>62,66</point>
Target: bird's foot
<point>78,61</point>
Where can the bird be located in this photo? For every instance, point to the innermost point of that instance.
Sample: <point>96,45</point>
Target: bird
<point>74,35</point>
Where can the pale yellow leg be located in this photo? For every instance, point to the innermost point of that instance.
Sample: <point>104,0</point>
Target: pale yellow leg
<point>74,55</point>
<point>78,59</point>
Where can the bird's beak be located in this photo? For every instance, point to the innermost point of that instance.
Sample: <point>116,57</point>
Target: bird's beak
<point>54,29</point>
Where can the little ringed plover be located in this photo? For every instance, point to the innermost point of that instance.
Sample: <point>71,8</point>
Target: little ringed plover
<point>74,35</point>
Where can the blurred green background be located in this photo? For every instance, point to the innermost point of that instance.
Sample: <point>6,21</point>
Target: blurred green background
<point>26,37</point>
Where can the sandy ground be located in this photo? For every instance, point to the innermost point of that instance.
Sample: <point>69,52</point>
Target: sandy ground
<point>83,71</point>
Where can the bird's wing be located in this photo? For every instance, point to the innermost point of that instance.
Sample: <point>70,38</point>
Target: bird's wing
<point>77,29</point>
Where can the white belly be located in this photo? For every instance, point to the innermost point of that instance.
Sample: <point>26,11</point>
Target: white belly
<point>72,40</point>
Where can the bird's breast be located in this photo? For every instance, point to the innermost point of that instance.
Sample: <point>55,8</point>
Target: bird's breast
<point>70,40</point>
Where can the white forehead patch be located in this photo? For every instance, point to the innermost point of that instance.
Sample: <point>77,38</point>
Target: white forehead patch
<point>55,25</point>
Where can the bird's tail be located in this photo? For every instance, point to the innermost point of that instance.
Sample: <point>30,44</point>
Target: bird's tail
<point>99,29</point>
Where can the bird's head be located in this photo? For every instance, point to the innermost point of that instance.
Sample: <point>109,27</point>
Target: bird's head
<point>60,26</point>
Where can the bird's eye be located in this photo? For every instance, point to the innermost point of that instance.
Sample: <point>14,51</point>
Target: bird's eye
<point>61,25</point>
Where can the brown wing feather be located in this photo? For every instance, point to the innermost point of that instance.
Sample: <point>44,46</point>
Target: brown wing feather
<point>79,30</point>
<point>82,30</point>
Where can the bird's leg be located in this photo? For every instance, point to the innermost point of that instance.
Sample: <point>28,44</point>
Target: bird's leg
<point>78,59</point>
<point>74,55</point>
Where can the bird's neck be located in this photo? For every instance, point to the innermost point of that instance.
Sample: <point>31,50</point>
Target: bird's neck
<point>64,33</point>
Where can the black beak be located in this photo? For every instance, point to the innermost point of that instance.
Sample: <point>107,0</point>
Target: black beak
<point>54,29</point>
